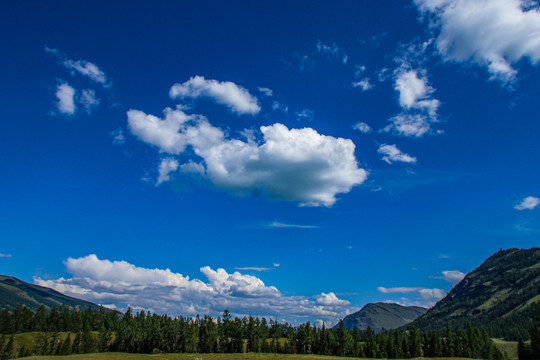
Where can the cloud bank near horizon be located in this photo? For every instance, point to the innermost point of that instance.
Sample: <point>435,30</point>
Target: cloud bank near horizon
<point>120,285</point>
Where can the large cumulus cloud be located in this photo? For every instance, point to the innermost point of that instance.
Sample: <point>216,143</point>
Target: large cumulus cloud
<point>297,165</point>
<point>494,34</point>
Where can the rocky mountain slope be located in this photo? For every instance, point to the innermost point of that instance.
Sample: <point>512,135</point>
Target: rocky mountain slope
<point>500,295</point>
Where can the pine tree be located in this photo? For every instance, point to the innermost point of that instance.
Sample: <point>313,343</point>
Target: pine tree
<point>7,352</point>
<point>535,335</point>
<point>66,346</point>
<point>414,343</point>
<point>76,347</point>
<point>104,339</point>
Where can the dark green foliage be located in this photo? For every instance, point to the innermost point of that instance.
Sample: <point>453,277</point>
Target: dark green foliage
<point>531,351</point>
<point>497,296</point>
<point>7,349</point>
<point>151,333</point>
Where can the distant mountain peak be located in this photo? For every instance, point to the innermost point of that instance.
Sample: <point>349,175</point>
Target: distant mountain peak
<point>382,315</point>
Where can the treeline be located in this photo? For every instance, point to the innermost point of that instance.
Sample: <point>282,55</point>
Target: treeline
<point>65,331</point>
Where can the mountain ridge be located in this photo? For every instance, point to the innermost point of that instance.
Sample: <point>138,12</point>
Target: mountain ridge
<point>500,295</point>
<point>382,315</point>
<point>15,292</point>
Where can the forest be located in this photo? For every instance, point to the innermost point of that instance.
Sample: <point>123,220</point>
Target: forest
<point>65,331</point>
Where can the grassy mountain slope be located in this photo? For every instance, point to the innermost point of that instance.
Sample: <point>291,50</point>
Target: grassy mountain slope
<point>500,295</point>
<point>382,315</point>
<point>14,292</point>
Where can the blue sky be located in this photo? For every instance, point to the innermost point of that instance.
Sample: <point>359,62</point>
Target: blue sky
<point>289,160</point>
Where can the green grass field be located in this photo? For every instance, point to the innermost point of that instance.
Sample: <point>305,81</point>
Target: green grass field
<point>508,347</point>
<point>248,356</point>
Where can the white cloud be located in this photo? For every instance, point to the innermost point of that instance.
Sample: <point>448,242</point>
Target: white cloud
<point>415,93</point>
<point>395,290</point>
<point>281,225</point>
<point>393,154</point>
<point>362,127</point>
<point>491,33</point>
<point>277,106</point>
<point>431,296</point>
<point>425,297</point>
<point>161,133</point>
<point>227,93</point>
<point>363,84</point>
<point>305,114</point>
<point>254,268</point>
<point>5,255</point>
<point>419,108</point>
<point>297,165</point>
<point>410,125</point>
<point>83,67</point>
<point>118,136</point>
<point>359,70</point>
<point>266,91</point>
<point>88,100</point>
<point>66,99</point>
<point>167,166</point>
<point>122,284</point>
<point>528,203</point>
<point>332,50</point>
<point>87,69</point>
<point>383,74</point>
<point>330,299</point>
<point>453,276</point>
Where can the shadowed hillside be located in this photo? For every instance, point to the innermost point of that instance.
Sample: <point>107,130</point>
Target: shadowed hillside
<point>14,292</point>
<point>500,295</point>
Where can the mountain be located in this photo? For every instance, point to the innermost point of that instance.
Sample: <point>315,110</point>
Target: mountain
<point>382,315</point>
<point>500,295</point>
<point>14,292</point>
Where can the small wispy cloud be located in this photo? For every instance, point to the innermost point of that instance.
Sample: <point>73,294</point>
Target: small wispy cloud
<point>305,114</point>
<point>278,225</point>
<point>276,105</point>
<point>332,50</point>
<point>453,276</point>
<point>256,268</point>
<point>528,203</point>
<point>253,268</point>
<point>82,67</point>
<point>118,137</point>
<point>424,296</point>
<point>5,255</point>
<point>65,94</point>
<point>392,154</point>
<point>398,290</point>
<point>364,84</point>
<point>265,91</point>
<point>362,127</point>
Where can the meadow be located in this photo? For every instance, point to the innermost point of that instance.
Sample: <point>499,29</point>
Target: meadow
<point>247,356</point>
